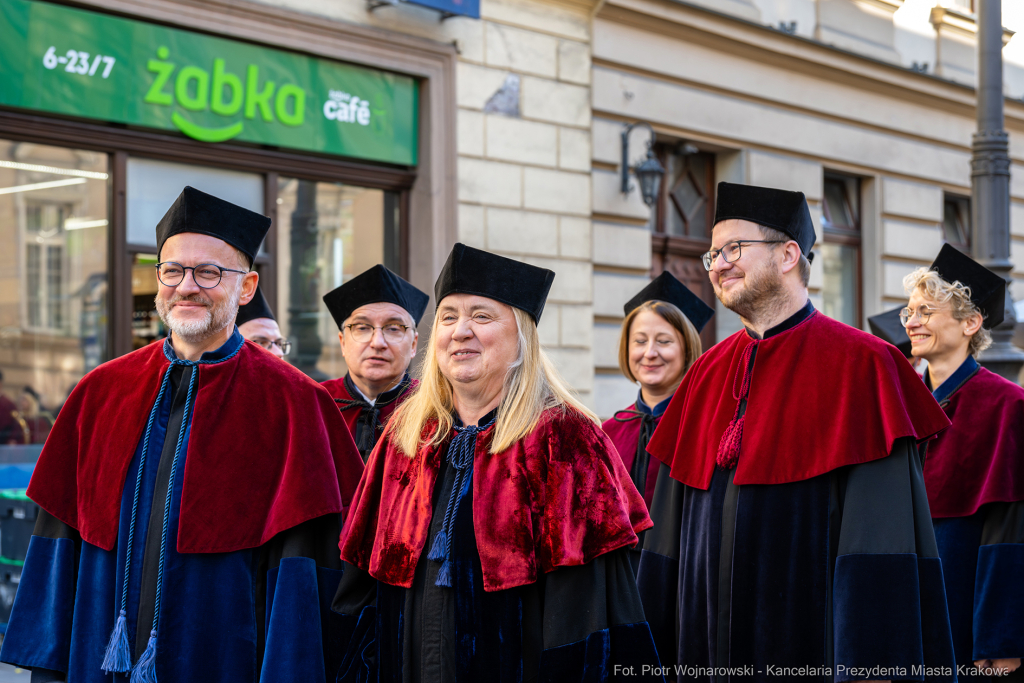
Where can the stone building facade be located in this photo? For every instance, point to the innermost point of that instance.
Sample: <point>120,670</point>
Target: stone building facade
<point>866,106</point>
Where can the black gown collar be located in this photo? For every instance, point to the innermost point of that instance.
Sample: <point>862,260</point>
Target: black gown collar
<point>382,399</point>
<point>789,323</point>
<point>483,420</point>
<point>223,352</point>
<point>656,411</point>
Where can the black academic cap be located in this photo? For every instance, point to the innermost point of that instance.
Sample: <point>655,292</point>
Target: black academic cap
<point>779,209</point>
<point>256,308</point>
<point>988,290</point>
<point>473,271</point>
<point>667,288</point>
<point>889,327</point>
<point>195,211</point>
<point>374,286</point>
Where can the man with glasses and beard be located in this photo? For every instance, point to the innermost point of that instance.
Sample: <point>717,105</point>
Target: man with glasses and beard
<point>191,493</point>
<point>377,313</point>
<point>802,545</point>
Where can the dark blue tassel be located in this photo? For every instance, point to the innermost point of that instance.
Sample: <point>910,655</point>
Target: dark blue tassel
<point>145,668</point>
<point>444,576</point>
<point>117,658</point>
<point>437,551</point>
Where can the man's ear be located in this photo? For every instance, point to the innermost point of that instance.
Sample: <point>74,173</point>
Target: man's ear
<point>790,256</point>
<point>415,340</point>
<point>249,282</point>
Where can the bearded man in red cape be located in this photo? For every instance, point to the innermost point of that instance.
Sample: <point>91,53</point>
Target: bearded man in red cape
<point>190,493</point>
<point>801,544</point>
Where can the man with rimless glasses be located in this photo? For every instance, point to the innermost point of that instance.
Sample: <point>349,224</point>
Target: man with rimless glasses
<point>191,493</point>
<point>801,546</point>
<point>377,313</point>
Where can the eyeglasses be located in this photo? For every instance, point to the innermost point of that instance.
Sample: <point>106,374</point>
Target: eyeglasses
<point>924,314</point>
<point>731,252</point>
<point>362,333</point>
<point>205,275</point>
<point>282,344</point>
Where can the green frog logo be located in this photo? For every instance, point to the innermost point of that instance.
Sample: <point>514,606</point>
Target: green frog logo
<point>223,93</point>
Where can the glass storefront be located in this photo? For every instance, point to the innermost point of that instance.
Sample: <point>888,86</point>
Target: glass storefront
<point>327,233</point>
<point>53,279</point>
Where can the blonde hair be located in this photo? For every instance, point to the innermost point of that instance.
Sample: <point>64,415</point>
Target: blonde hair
<point>957,295</point>
<point>688,334</point>
<point>532,385</point>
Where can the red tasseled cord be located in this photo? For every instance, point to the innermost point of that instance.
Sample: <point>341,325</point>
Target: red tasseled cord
<point>729,447</point>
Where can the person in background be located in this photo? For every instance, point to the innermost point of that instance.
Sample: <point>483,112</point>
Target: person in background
<point>801,537</point>
<point>973,471</point>
<point>256,322</point>
<point>660,340</point>
<point>191,493</point>
<point>38,422</point>
<point>888,326</point>
<point>13,430</point>
<point>377,313</point>
<point>489,537</point>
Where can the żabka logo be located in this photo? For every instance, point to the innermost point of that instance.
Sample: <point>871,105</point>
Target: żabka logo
<point>224,94</point>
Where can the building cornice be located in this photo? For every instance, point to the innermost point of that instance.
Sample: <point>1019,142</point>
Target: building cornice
<point>697,24</point>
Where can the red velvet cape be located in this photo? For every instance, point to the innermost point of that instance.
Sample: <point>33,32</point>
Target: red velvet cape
<point>980,459</point>
<point>336,388</point>
<point>822,395</point>
<point>625,436</point>
<point>559,497</point>
<point>267,451</point>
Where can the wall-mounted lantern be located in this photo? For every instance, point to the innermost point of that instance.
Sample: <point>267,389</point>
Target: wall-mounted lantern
<point>648,172</point>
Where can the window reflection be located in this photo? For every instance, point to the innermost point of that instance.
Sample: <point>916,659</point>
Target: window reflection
<point>53,306</point>
<point>327,233</point>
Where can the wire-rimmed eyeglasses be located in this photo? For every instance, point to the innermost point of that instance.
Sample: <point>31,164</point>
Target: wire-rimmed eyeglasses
<point>280,343</point>
<point>363,332</point>
<point>731,252</point>
<point>923,313</point>
<point>205,275</point>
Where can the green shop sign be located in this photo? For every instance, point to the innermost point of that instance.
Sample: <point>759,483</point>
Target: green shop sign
<point>80,63</point>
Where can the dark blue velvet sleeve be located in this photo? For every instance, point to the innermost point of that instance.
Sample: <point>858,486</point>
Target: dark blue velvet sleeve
<point>998,588</point>
<point>298,601</point>
<point>889,604</point>
<point>594,626</point>
<point>39,631</point>
<point>657,579</point>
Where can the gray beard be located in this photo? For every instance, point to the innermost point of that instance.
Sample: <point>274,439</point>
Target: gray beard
<point>216,319</point>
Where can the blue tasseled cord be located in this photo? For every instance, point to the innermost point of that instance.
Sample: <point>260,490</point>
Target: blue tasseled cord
<point>117,657</point>
<point>460,456</point>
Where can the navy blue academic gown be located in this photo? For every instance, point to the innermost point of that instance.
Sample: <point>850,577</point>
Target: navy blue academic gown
<point>815,580</point>
<point>983,567</point>
<point>256,614</point>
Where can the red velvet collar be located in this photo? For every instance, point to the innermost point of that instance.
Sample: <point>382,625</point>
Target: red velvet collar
<point>821,395</point>
<point>980,459</point>
<point>559,497</point>
<point>247,476</point>
<point>624,431</point>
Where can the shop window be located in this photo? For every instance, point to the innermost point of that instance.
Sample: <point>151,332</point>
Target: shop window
<point>956,221</point>
<point>840,250</point>
<point>154,185</point>
<point>53,275</point>
<point>327,233</point>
